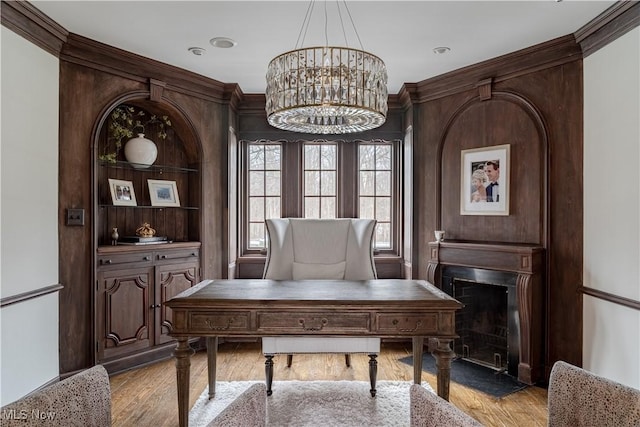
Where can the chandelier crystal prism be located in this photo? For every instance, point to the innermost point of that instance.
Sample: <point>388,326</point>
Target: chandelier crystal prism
<point>326,90</point>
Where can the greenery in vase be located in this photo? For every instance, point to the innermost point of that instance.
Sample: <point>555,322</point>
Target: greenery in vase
<point>127,121</point>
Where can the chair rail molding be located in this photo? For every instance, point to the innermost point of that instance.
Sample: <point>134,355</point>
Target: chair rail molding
<point>25,296</point>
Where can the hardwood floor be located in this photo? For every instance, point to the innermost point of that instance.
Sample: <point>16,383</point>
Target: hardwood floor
<point>147,396</point>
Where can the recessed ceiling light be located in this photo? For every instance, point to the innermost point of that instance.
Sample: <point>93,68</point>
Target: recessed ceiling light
<point>223,42</point>
<point>441,50</point>
<point>197,51</point>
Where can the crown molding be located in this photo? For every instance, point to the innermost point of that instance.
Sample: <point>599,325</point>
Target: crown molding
<point>26,20</point>
<point>611,24</point>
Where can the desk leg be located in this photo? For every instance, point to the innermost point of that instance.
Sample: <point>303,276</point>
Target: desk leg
<point>418,342</point>
<point>212,354</point>
<point>183,369</point>
<point>443,355</point>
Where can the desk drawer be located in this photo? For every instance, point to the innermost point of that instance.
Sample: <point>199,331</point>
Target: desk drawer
<point>403,323</point>
<point>314,323</point>
<point>228,321</point>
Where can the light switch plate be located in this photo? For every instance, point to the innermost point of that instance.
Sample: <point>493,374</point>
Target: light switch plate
<point>75,216</point>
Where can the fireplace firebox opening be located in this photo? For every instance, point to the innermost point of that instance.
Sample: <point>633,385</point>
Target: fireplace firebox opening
<point>488,323</point>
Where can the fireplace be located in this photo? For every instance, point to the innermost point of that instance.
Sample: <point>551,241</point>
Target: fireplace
<point>501,286</point>
<point>488,323</point>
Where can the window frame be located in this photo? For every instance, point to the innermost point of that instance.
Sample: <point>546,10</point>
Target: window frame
<point>292,190</point>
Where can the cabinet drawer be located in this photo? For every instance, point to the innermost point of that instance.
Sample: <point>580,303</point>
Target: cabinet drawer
<point>119,259</point>
<point>309,323</point>
<point>408,323</point>
<point>179,255</point>
<point>230,321</point>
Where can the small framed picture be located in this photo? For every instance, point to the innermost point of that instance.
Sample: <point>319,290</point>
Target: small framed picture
<point>485,181</point>
<point>122,192</point>
<point>163,193</point>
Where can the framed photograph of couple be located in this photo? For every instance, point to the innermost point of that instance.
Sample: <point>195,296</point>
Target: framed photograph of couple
<point>484,181</point>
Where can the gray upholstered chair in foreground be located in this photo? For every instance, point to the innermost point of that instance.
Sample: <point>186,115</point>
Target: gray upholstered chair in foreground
<point>247,410</point>
<point>427,409</point>
<point>82,400</point>
<point>330,249</point>
<point>579,398</point>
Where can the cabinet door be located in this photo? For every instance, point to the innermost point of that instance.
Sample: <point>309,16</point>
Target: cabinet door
<point>124,311</point>
<point>170,281</point>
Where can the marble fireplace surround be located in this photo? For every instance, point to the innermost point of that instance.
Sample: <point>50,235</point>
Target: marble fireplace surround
<point>527,263</point>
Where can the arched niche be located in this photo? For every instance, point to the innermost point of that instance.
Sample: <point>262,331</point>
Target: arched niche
<point>182,127</point>
<point>497,119</point>
<point>179,161</point>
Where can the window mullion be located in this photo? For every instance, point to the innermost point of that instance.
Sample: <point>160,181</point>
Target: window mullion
<point>348,175</point>
<point>292,180</point>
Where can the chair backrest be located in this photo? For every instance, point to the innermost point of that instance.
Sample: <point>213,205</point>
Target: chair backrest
<point>302,248</point>
<point>580,398</point>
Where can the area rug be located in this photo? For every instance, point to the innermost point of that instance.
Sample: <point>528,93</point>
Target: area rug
<point>481,378</point>
<point>317,403</point>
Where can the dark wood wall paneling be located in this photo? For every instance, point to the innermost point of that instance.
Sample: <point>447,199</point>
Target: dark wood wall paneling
<point>501,119</point>
<point>531,99</point>
<point>93,79</point>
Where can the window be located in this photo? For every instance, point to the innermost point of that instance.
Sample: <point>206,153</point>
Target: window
<point>264,190</point>
<point>320,179</point>
<point>375,189</point>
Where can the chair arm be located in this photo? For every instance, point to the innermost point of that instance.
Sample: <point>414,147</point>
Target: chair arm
<point>247,410</point>
<point>83,399</point>
<point>429,410</point>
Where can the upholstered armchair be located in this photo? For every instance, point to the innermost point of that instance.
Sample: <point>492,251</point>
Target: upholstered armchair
<point>579,398</point>
<point>427,409</point>
<point>83,399</point>
<point>320,249</point>
<point>247,410</point>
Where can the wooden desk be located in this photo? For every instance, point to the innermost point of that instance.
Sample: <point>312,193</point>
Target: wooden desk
<point>380,308</point>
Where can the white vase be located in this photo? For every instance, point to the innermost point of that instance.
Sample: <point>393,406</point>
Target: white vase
<point>140,152</point>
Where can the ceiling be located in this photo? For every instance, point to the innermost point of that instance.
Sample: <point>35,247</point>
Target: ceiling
<point>402,33</point>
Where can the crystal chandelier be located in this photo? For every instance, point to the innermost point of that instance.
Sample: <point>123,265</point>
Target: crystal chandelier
<point>326,89</point>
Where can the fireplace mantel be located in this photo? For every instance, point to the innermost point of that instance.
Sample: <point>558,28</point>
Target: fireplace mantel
<point>527,262</point>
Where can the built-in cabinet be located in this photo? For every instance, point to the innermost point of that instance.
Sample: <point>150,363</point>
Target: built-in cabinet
<point>133,284</point>
<point>134,280</point>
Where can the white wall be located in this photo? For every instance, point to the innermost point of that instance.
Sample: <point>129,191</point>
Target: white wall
<point>612,208</point>
<point>28,215</point>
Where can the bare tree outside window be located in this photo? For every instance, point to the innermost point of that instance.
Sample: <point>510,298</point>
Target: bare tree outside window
<point>375,185</point>
<point>264,190</point>
<point>320,180</point>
